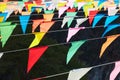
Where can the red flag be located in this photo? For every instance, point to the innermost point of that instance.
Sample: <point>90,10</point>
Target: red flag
<point>92,15</point>
<point>26,4</point>
<point>38,2</point>
<point>34,55</point>
<point>71,10</point>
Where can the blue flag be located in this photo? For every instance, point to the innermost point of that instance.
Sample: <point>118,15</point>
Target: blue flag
<point>4,15</point>
<point>110,19</point>
<point>97,18</point>
<point>109,28</point>
<point>24,21</point>
<point>100,2</point>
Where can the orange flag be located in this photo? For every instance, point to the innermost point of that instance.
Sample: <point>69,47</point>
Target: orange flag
<point>110,39</point>
<point>34,55</point>
<point>44,27</point>
<point>48,17</point>
<point>36,23</point>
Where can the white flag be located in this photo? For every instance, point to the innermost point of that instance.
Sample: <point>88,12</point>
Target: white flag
<point>1,54</point>
<point>78,73</point>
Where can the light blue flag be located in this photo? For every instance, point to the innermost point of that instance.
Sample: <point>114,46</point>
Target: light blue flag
<point>109,28</point>
<point>4,15</point>
<point>24,21</point>
<point>100,2</point>
<point>73,49</point>
<point>110,19</point>
<point>71,15</point>
<point>48,4</point>
<point>97,18</point>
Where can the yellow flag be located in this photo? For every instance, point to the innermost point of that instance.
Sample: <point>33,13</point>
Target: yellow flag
<point>37,39</point>
<point>86,8</point>
<point>2,7</point>
<point>30,6</point>
<point>1,19</point>
<point>107,43</point>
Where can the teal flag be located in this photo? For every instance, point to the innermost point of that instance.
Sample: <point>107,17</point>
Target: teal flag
<point>5,32</point>
<point>73,49</point>
<point>71,15</point>
<point>48,11</point>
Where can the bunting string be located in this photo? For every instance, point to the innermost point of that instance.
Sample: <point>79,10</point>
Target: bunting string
<point>60,74</point>
<point>61,43</point>
<point>54,13</point>
<point>64,17</point>
<point>101,26</point>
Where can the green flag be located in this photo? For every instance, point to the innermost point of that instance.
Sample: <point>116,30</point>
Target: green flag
<point>73,49</point>
<point>5,23</point>
<point>6,31</point>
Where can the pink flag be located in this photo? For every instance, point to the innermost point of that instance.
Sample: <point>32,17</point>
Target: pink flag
<point>115,71</point>
<point>70,4</point>
<point>72,32</point>
<point>80,5</point>
<point>62,10</point>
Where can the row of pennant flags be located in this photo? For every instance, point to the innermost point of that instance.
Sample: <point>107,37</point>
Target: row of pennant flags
<point>47,21</point>
<point>70,9</point>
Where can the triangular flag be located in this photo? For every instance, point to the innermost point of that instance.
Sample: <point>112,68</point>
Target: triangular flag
<point>107,44</point>
<point>44,27</point>
<point>112,11</point>
<point>48,17</point>
<point>38,37</point>
<point>110,19</point>
<point>70,4</point>
<point>77,74</point>
<point>92,14</point>
<point>71,16</point>
<point>86,8</point>
<point>48,11</point>
<point>52,7</point>
<point>27,3</point>
<point>48,4</point>
<point>9,13</point>
<point>72,32</point>
<point>71,10</point>
<point>36,23</point>
<point>81,20</point>
<point>5,23</point>
<point>38,2</point>
<point>80,5</point>
<point>73,49</point>
<point>4,15</point>
<point>115,71</point>
<point>65,20</point>
<point>34,55</point>
<point>1,54</point>
<point>1,19</point>
<point>3,6</point>
<point>6,31</point>
<point>62,10</point>
<point>24,21</point>
<point>109,28</point>
<point>30,6</point>
<point>97,18</point>
<point>101,2</point>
